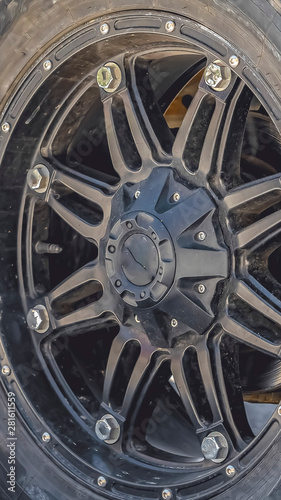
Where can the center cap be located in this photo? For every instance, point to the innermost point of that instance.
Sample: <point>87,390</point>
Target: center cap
<point>139,259</point>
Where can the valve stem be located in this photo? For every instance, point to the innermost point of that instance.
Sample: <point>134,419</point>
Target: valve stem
<point>51,248</point>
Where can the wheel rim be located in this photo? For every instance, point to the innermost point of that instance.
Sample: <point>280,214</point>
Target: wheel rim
<point>180,322</point>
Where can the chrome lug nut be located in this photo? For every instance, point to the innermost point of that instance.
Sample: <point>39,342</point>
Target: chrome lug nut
<point>46,437</point>
<point>109,77</point>
<point>47,65</point>
<point>234,61</point>
<point>137,194</point>
<point>38,319</point>
<point>6,127</point>
<point>107,429</point>
<point>170,26</point>
<point>279,411</point>
<point>6,370</point>
<point>167,494</point>
<point>215,447</point>
<point>217,75</point>
<point>201,236</point>
<point>104,28</point>
<point>174,323</point>
<point>38,179</point>
<point>230,471</point>
<point>102,482</point>
<point>201,288</point>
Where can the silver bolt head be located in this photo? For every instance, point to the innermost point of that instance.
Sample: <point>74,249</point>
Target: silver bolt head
<point>104,77</point>
<point>279,411</point>
<point>46,437</point>
<point>38,179</point>
<point>174,323</point>
<point>230,471</point>
<point>104,28</point>
<point>102,482</point>
<point>217,75</point>
<point>6,127</point>
<point>47,65</point>
<point>137,194</point>
<point>211,82</point>
<point>170,26</point>
<point>107,429</point>
<point>137,319</point>
<point>234,61</point>
<point>176,197</point>
<point>38,319</point>
<point>215,447</point>
<point>201,288</point>
<point>167,494</point>
<point>109,77</point>
<point>201,236</point>
<point>213,75</point>
<point>6,370</point>
<point>103,429</point>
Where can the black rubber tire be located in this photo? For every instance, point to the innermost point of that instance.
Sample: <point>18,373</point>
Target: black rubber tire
<point>27,28</point>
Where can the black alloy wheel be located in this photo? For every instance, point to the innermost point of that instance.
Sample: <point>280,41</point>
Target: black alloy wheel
<point>140,263</point>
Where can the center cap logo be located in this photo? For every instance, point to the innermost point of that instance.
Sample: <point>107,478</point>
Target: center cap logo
<point>139,259</point>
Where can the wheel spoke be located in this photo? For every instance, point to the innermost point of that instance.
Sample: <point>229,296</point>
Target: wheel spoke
<point>91,272</point>
<point>144,114</point>
<point>258,231</point>
<point>136,127</point>
<point>143,372</point>
<point>144,132</point>
<point>92,192</point>
<point>117,159</point>
<point>232,135</point>
<point>258,190</point>
<point>247,336</point>
<point>196,140</point>
<point>77,223</point>
<point>257,303</point>
<point>101,205</point>
<point>117,348</point>
<point>188,121</point>
<point>203,140</point>
<point>229,390</point>
<point>207,375</point>
<point>90,312</point>
<point>206,416</point>
<point>177,369</point>
<point>66,303</point>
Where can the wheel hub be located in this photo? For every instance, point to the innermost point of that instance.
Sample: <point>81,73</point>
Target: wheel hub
<point>153,253</point>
